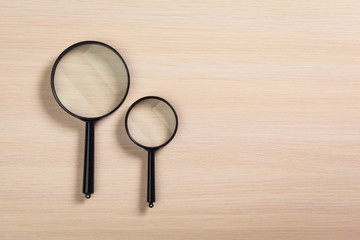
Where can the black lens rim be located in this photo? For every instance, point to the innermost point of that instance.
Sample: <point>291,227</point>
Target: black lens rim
<point>86,119</point>
<point>127,128</point>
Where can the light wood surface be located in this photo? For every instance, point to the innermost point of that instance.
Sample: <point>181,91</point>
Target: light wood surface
<point>268,145</point>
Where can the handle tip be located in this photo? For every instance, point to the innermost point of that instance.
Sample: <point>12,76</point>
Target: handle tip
<point>151,205</point>
<point>88,196</point>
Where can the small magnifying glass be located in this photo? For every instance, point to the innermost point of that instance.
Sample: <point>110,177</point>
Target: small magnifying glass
<point>90,80</point>
<point>151,123</point>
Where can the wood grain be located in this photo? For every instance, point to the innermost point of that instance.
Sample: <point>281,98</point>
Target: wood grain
<point>267,94</point>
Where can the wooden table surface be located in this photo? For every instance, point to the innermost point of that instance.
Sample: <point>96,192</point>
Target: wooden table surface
<point>268,98</point>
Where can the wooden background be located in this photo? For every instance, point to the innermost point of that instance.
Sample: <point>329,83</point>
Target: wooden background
<point>268,96</point>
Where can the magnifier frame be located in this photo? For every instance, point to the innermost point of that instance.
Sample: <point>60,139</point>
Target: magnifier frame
<point>88,176</point>
<point>151,150</point>
<point>128,131</point>
<point>86,119</point>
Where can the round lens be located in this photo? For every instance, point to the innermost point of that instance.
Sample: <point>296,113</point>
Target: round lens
<point>90,80</point>
<point>151,122</point>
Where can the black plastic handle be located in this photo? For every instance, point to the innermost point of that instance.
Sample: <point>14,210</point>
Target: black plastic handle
<point>88,181</point>
<point>151,178</point>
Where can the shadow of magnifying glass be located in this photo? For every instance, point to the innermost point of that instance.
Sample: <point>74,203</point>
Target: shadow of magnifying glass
<point>64,121</point>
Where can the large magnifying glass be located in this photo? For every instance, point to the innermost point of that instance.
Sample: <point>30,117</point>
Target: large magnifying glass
<point>90,80</point>
<point>151,123</point>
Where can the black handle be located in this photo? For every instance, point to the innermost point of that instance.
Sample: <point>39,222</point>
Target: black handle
<point>88,181</point>
<point>151,179</point>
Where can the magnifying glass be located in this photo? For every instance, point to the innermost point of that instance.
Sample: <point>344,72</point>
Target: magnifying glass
<point>90,80</point>
<point>151,123</point>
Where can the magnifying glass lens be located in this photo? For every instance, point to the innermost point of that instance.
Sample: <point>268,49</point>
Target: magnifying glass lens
<point>151,122</point>
<point>91,80</point>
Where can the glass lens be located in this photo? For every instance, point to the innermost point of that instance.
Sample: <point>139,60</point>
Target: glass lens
<point>91,80</point>
<point>151,122</point>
